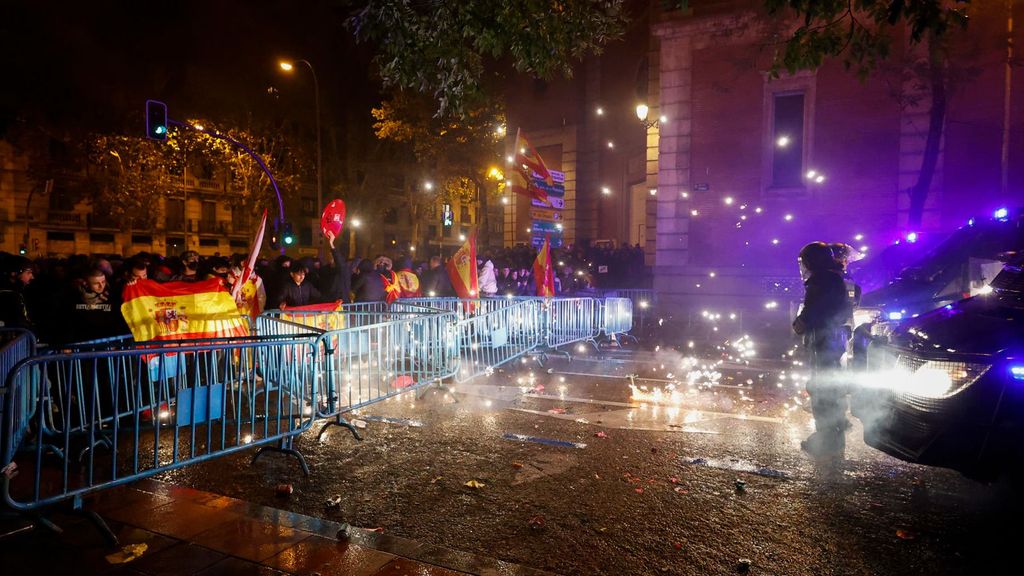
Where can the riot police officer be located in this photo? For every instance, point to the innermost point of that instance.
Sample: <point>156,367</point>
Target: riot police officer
<point>821,322</point>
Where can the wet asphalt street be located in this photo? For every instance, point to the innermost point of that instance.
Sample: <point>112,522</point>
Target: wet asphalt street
<point>695,469</point>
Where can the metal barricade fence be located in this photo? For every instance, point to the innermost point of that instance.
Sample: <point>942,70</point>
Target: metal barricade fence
<point>349,316</point>
<point>569,320</point>
<point>367,364</point>
<point>464,307</point>
<point>616,316</point>
<point>499,336</point>
<point>153,408</point>
<point>18,406</point>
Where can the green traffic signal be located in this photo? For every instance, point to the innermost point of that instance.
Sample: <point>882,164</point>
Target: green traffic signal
<point>156,120</point>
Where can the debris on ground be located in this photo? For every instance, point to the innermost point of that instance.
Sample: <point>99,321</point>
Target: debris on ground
<point>743,565</point>
<point>358,424</point>
<point>678,545</point>
<point>556,411</point>
<point>436,479</point>
<point>334,501</point>
<point>601,435</point>
<point>284,489</point>
<point>127,553</point>
<point>517,465</point>
<point>474,484</point>
<point>741,486</point>
<point>345,531</point>
<point>903,534</point>
<point>536,522</point>
<point>680,490</point>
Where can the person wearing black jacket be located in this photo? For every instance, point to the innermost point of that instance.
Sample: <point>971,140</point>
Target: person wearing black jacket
<point>368,285</point>
<point>339,284</point>
<point>435,281</point>
<point>298,292</point>
<point>821,323</point>
<point>18,274</point>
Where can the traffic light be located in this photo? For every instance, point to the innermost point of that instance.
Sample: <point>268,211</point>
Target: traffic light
<point>288,238</point>
<point>447,216</point>
<point>156,120</point>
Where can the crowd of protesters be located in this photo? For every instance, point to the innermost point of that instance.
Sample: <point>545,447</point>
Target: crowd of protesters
<point>78,298</point>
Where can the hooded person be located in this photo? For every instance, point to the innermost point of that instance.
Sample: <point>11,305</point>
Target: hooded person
<point>18,274</point>
<point>487,281</point>
<point>388,277</point>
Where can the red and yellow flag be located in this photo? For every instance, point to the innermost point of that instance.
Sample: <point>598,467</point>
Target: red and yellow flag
<point>520,182</point>
<point>462,269</point>
<point>181,311</point>
<point>326,316</point>
<point>527,159</point>
<point>543,271</point>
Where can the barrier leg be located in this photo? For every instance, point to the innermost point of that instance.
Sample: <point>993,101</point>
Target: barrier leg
<point>340,421</point>
<point>286,446</point>
<point>441,386</point>
<point>101,526</point>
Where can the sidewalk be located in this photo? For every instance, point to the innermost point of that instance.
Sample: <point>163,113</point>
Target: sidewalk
<point>167,530</point>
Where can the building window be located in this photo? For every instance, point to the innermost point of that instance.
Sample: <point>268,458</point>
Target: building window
<point>60,236</point>
<point>432,231</point>
<point>464,214</point>
<point>306,236</point>
<point>391,216</point>
<point>239,244</point>
<point>787,140</point>
<point>209,242</point>
<point>175,214</point>
<point>101,237</point>
<point>308,206</point>
<point>140,239</point>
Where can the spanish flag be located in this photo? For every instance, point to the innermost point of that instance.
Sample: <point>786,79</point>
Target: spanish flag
<point>527,159</point>
<point>462,269</point>
<point>327,316</point>
<point>543,271</point>
<point>181,311</point>
<point>520,182</point>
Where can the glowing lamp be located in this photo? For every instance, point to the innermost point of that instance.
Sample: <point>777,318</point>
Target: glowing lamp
<point>895,315</point>
<point>912,237</point>
<point>1017,371</point>
<point>1001,214</point>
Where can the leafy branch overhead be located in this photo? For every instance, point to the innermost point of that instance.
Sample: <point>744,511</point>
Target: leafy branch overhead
<point>442,47</point>
<point>859,31</point>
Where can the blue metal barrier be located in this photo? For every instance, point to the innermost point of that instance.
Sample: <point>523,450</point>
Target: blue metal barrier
<point>155,408</point>
<point>17,406</point>
<point>503,334</point>
<point>616,316</point>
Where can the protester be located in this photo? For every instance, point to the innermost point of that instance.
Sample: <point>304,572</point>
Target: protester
<point>298,292</point>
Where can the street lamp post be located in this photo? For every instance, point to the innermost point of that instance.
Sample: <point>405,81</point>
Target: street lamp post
<point>288,67</point>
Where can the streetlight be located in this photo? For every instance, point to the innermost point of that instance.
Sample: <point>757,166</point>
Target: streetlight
<point>288,67</point>
<point>353,224</point>
<point>641,113</point>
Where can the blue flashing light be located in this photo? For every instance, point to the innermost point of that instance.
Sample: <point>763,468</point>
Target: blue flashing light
<point>895,315</point>
<point>1017,371</point>
<point>948,306</point>
<point>912,237</point>
<point>1001,214</point>
<point>970,222</point>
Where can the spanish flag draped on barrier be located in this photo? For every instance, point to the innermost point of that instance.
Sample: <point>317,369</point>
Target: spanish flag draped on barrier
<point>322,320</point>
<point>181,311</point>
<point>543,271</point>
<point>462,270</point>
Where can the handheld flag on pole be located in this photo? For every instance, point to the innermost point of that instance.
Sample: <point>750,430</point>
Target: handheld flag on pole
<point>521,183</point>
<point>254,252</point>
<point>462,269</point>
<point>543,271</point>
<point>527,159</point>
